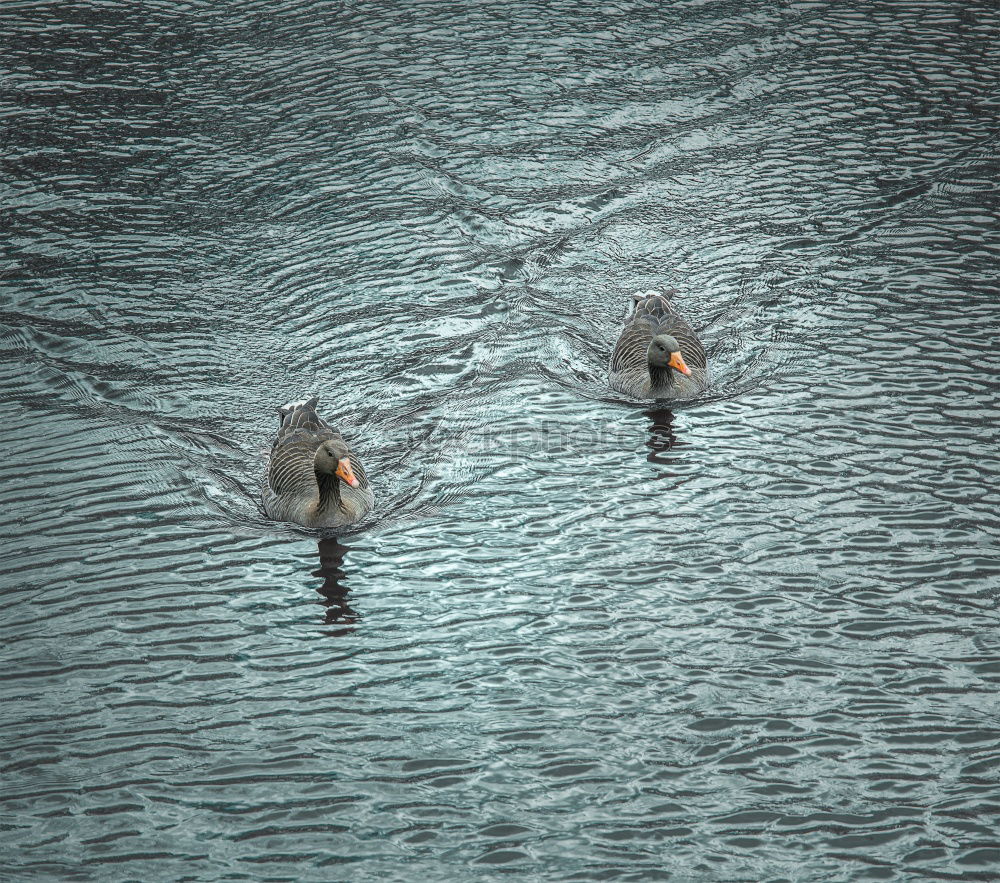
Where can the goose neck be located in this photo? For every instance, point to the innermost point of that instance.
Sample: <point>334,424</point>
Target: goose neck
<point>329,491</point>
<point>659,378</point>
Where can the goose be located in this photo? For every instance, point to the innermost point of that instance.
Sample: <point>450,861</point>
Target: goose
<point>657,354</point>
<point>313,477</point>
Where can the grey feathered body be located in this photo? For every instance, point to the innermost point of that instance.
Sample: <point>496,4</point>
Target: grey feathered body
<point>629,368</point>
<point>295,491</point>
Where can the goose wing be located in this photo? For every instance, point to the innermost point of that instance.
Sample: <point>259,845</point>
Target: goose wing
<point>629,355</point>
<point>301,432</point>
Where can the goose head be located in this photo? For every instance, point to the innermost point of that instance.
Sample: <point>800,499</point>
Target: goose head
<point>665,352</point>
<point>332,458</point>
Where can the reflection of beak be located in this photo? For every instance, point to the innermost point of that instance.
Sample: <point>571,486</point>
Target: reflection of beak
<point>345,472</point>
<point>677,361</point>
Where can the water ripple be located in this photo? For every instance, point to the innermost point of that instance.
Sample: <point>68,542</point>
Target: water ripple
<point>580,637</point>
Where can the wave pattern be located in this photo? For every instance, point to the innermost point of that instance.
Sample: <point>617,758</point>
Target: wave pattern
<point>751,639</point>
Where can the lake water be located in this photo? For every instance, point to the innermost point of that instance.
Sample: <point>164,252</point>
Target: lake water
<point>579,638</point>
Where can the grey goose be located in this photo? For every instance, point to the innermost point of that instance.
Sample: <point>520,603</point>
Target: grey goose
<point>313,477</point>
<point>657,355</point>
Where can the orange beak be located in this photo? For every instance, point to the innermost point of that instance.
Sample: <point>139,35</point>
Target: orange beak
<point>345,472</point>
<point>677,361</point>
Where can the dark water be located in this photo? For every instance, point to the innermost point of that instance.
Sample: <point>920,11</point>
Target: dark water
<point>752,639</point>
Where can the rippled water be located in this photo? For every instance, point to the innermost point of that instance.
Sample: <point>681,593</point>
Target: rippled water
<point>751,639</point>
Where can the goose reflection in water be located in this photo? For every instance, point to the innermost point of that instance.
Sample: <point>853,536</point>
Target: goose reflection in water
<point>661,438</point>
<point>334,590</point>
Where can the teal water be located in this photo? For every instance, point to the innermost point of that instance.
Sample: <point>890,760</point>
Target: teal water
<point>752,638</point>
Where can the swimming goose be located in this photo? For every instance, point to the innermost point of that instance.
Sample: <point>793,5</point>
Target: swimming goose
<point>657,354</point>
<point>313,478</point>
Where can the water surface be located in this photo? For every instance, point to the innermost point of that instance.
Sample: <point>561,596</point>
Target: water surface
<point>580,638</point>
